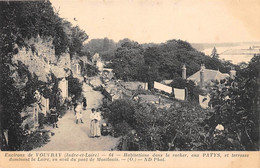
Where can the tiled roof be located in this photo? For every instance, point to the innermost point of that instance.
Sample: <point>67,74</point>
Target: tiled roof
<point>209,75</point>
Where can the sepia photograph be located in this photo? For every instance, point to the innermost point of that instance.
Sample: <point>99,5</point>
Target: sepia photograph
<point>130,75</point>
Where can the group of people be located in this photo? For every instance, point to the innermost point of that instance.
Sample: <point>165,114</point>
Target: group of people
<point>96,129</point>
<point>95,117</point>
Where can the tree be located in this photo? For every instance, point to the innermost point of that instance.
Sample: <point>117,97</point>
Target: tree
<point>162,61</point>
<point>75,88</point>
<point>76,42</point>
<point>168,58</point>
<point>21,21</point>
<point>106,44</point>
<point>235,106</point>
<point>105,47</point>
<point>214,53</point>
<point>128,60</point>
<point>120,42</point>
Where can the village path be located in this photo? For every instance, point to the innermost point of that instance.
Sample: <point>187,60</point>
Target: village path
<point>75,137</point>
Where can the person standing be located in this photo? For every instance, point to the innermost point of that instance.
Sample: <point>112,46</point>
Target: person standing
<point>98,118</point>
<point>74,105</point>
<point>78,112</point>
<point>84,103</point>
<point>54,118</point>
<point>94,124</point>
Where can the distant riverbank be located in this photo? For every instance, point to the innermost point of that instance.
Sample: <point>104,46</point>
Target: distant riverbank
<point>235,54</point>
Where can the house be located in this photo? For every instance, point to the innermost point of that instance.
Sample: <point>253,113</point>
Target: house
<point>134,85</point>
<point>205,76</point>
<point>115,90</point>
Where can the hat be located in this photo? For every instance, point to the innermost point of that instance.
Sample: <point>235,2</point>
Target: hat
<point>219,127</point>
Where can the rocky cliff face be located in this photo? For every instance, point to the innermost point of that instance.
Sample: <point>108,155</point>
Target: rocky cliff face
<point>40,59</point>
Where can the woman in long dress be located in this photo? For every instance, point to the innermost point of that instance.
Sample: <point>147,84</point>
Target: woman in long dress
<point>94,124</point>
<point>98,118</point>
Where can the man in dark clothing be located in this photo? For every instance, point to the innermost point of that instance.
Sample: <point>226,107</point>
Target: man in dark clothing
<point>84,103</point>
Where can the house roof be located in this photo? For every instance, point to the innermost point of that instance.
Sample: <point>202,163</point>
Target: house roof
<point>209,76</point>
<point>166,82</point>
<point>132,85</point>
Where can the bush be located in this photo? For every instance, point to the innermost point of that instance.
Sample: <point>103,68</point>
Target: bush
<point>121,110</point>
<point>42,120</point>
<point>35,140</point>
<point>178,128</point>
<point>157,128</point>
<point>121,129</point>
<point>120,114</point>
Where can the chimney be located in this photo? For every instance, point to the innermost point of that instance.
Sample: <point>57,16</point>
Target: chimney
<point>184,72</point>
<point>202,76</point>
<point>232,73</point>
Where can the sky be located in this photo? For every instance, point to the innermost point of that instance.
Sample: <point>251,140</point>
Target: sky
<point>145,21</point>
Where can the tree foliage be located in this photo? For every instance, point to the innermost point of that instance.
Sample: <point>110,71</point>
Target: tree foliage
<point>177,128</point>
<point>186,126</point>
<point>29,19</point>
<point>214,53</point>
<point>75,88</point>
<point>128,61</point>
<point>162,61</point>
<point>235,106</point>
<point>21,21</point>
<point>105,47</point>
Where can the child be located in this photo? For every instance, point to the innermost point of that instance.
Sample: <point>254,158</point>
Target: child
<point>78,113</point>
<point>54,117</point>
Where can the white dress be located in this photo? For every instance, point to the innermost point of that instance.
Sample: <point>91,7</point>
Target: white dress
<point>78,112</point>
<point>94,124</point>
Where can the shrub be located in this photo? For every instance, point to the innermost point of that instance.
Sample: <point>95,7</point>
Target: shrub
<point>42,120</point>
<point>121,110</point>
<point>34,140</point>
<point>121,129</point>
